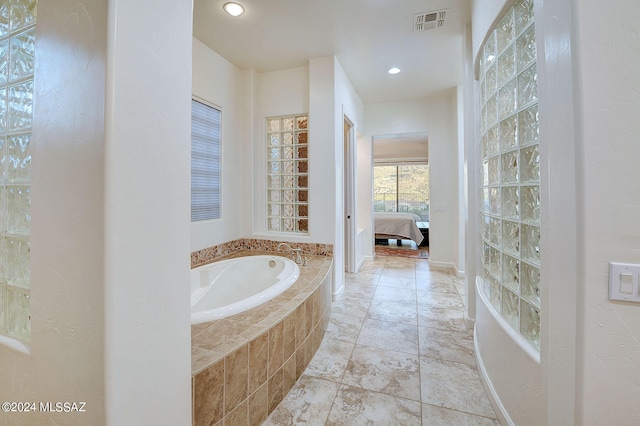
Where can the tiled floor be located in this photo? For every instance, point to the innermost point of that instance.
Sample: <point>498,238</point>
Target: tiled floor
<point>396,352</point>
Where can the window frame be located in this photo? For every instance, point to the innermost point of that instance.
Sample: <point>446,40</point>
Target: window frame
<point>508,212</point>
<point>217,209</point>
<point>291,214</point>
<point>397,166</point>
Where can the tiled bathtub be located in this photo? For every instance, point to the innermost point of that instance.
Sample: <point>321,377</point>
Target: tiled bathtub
<point>242,366</point>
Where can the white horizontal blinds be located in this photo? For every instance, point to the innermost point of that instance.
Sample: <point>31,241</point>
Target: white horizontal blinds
<point>205,162</point>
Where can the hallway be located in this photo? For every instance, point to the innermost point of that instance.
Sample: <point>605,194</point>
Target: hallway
<point>396,352</point>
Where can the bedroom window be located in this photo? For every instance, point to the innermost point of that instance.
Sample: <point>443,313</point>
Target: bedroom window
<point>510,172</point>
<point>17,59</point>
<point>402,188</point>
<point>205,161</point>
<point>288,174</point>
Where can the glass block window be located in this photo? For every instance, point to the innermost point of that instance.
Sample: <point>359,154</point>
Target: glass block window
<point>288,174</point>
<point>510,171</point>
<point>17,53</point>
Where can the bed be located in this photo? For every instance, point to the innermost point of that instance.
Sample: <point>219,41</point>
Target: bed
<point>397,226</point>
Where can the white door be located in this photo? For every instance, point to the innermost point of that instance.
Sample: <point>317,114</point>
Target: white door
<point>349,195</point>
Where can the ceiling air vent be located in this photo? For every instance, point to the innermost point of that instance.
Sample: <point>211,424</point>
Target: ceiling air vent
<point>430,20</point>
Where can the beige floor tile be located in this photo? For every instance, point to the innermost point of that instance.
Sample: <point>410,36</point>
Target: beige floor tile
<point>363,279</point>
<point>353,306</point>
<point>397,272</point>
<point>440,299</point>
<point>443,318</point>
<point>344,327</point>
<point>331,359</point>
<point>389,335</point>
<point>307,403</point>
<point>439,416</point>
<point>453,385</point>
<point>391,294</point>
<point>422,284</point>
<point>422,265</point>
<point>451,345</point>
<point>355,406</point>
<point>389,372</point>
<point>434,275</point>
<point>400,262</point>
<point>396,352</point>
<point>398,282</point>
<point>360,291</point>
<point>462,290</point>
<point>382,310</point>
<point>372,267</point>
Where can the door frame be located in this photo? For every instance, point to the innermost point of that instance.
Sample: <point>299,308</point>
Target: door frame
<point>350,227</point>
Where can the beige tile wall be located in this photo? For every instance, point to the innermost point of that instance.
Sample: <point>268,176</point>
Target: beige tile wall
<point>244,365</point>
<point>209,254</point>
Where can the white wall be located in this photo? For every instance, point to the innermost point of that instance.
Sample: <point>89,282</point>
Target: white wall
<point>347,103</point>
<point>146,222</point>
<point>459,114</point>
<point>220,83</point>
<point>608,81</point>
<point>560,212</point>
<point>515,380</point>
<point>435,116</point>
<point>471,176</point>
<point>324,176</point>
<point>347,99</point>
<point>589,85</point>
<point>277,93</point>
<point>324,92</point>
<point>110,233</point>
<point>246,98</point>
<point>364,201</point>
<point>283,93</point>
<point>66,362</point>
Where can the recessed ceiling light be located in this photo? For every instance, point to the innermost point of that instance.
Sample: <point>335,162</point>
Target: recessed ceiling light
<point>233,9</point>
<point>394,70</point>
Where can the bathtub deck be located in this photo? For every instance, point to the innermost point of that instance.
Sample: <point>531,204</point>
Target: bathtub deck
<point>234,358</point>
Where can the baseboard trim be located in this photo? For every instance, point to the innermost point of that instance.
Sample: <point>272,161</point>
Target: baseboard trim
<point>362,261</point>
<point>442,265</point>
<point>494,399</point>
<point>337,294</point>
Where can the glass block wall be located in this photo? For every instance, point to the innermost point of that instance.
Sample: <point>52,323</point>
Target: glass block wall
<point>510,172</point>
<point>17,46</point>
<point>288,174</point>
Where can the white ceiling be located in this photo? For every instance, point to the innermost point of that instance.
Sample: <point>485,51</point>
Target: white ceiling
<point>367,36</point>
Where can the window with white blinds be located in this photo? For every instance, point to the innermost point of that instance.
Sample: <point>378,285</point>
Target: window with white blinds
<point>205,161</point>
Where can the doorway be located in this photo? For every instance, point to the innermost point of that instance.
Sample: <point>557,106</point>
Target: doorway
<point>349,197</point>
<point>401,191</point>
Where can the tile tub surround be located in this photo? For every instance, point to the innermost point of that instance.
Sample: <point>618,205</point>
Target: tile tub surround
<point>242,366</point>
<point>210,254</point>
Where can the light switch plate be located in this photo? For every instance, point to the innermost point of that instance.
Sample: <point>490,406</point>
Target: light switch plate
<point>623,282</point>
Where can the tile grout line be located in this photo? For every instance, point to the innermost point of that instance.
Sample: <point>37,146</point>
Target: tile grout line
<point>418,275</point>
<point>415,286</point>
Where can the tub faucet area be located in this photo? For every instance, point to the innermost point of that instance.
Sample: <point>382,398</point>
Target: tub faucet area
<point>296,253</point>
